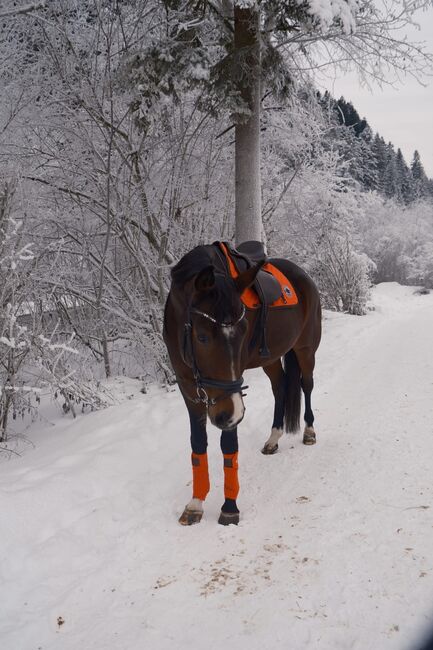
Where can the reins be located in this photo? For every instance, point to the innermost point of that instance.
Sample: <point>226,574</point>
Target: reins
<point>229,387</point>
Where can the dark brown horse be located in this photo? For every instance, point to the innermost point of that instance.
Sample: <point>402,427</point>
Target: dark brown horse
<point>212,338</point>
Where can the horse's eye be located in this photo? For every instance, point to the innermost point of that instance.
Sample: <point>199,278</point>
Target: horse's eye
<point>202,338</point>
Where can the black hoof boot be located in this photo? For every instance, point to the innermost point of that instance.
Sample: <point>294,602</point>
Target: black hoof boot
<point>229,513</point>
<point>227,518</point>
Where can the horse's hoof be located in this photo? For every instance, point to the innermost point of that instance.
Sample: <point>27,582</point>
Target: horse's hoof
<point>190,517</point>
<point>227,518</point>
<point>270,449</point>
<point>309,437</point>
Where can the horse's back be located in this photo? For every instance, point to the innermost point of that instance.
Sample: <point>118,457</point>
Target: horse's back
<point>309,300</point>
<point>303,284</point>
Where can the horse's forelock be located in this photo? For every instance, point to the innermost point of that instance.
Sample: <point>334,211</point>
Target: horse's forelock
<point>222,301</point>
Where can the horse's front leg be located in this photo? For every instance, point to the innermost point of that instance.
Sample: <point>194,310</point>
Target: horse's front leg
<point>229,447</point>
<point>193,511</point>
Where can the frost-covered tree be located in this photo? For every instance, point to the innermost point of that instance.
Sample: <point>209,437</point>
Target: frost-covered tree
<point>391,185</point>
<point>316,206</point>
<point>122,189</point>
<point>398,239</point>
<point>238,51</point>
<point>34,348</point>
<point>404,179</point>
<point>420,181</point>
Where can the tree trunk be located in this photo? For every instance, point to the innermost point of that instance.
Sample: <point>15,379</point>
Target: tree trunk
<point>6,399</point>
<point>106,354</point>
<point>247,137</point>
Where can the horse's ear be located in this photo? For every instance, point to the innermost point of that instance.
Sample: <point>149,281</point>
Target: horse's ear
<point>246,279</point>
<point>205,280</point>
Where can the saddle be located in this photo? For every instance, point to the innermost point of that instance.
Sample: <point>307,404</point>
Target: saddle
<point>270,289</point>
<point>249,254</point>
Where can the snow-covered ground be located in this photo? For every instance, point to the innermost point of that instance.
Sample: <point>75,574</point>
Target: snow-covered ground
<point>335,545</point>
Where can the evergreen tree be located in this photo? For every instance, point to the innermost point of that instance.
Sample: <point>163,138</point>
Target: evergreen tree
<point>390,182</point>
<point>404,179</point>
<point>380,153</point>
<point>348,116</point>
<point>366,160</point>
<point>417,168</point>
<point>369,160</point>
<point>420,180</point>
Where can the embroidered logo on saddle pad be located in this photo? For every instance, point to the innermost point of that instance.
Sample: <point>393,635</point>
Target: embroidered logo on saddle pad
<point>250,297</point>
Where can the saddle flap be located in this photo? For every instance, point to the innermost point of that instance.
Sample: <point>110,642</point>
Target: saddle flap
<point>265,284</point>
<point>269,288</point>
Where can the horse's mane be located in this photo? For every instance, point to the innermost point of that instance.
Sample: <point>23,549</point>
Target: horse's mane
<point>225,300</point>
<point>191,264</point>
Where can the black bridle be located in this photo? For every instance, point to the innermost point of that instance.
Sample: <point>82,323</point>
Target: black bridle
<point>229,387</point>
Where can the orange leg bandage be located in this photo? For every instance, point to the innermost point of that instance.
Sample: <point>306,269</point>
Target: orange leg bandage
<point>231,482</point>
<point>200,476</point>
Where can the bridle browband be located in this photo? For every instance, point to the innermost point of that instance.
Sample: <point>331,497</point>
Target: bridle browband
<point>214,320</point>
<point>229,387</point>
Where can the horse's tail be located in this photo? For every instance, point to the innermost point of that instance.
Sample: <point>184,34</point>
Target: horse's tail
<point>292,407</point>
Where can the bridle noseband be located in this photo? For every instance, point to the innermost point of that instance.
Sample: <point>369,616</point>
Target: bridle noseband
<point>229,387</point>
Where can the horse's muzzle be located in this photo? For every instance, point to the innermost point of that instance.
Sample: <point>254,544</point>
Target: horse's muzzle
<point>228,413</point>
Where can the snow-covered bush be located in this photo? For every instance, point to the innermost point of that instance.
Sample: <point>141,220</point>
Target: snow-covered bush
<point>34,353</point>
<point>399,240</point>
<point>342,276</point>
<point>420,265</point>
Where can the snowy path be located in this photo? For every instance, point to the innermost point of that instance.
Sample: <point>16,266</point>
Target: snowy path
<point>334,550</point>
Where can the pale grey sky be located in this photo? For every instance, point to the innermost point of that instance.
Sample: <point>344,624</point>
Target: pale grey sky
<point>402,115</point>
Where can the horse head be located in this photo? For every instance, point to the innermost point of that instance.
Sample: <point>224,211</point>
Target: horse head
<point>217,330</point>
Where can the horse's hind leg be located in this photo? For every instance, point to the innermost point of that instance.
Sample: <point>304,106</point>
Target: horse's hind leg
<point>306,362</point>
<point>277,376</point>
<point>193,511</point>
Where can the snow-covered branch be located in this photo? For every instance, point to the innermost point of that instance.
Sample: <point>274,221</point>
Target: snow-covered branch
<point>15,11</point>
